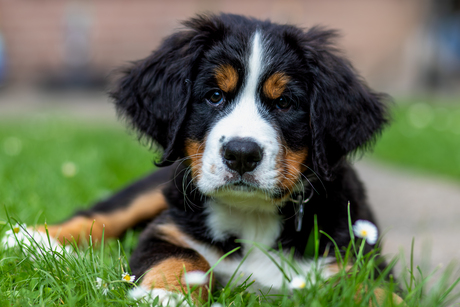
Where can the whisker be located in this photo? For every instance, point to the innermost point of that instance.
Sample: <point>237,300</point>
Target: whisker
<point>306,178</point>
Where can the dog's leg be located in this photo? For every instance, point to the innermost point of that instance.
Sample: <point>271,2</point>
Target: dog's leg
<point>162,261</point>
<point>138,203</point>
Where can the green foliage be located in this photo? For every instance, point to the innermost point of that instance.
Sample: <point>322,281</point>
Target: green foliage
<point>423,136</point>
<point>51,166</point>
<point>38,276</point>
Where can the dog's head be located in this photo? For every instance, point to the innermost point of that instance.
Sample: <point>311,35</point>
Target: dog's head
<point>253,106</point>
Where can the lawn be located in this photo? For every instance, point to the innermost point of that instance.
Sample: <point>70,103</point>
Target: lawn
<point>65,163</point>
<point>425,137</point>
<point>49,166</point>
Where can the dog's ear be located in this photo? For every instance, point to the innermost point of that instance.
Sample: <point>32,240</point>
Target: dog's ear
<point>153,94</point>
<point>346,115</point>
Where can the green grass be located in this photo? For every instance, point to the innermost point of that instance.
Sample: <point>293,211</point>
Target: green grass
<point>50,166</point>
<point>424,137</point>
<point>34,151</point>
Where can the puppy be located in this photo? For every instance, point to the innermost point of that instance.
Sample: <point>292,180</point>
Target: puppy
<point>255,121</point>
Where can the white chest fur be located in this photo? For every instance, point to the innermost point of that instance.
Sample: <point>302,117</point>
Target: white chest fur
<point>260,265</point>
<point>225,221</point>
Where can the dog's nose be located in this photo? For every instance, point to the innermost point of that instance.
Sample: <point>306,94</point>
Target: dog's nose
<point>242,155</point>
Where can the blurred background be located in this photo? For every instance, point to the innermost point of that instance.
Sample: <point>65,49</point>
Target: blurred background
<point>398,46</point>
<point>56,55</point>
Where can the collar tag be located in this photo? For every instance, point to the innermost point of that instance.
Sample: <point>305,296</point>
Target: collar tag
<point>299,215</point>
<point>299,204</point>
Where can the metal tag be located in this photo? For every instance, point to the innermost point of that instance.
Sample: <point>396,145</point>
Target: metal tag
<point>299,213</point>
<point>299,209</point>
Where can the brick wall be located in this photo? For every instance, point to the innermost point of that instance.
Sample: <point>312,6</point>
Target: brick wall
<point>112,32</point>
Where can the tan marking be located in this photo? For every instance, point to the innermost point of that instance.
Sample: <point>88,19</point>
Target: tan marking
<point>172,234</point>
<point>290,165</point>
<point>227,77</point>
<point>335,268</point>
<point>382,297</point>
<point>275,85</point>
<point>169,275</point>
<point>194,151</point>
<point>113,224</point>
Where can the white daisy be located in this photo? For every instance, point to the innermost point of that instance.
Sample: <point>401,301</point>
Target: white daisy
<point>127,277</point>
<point>366,230</point>
<point>101,284</point>
<point>196,278</point>
<point>298,282</point>
<point>16,234</point>
<point>17,228</point>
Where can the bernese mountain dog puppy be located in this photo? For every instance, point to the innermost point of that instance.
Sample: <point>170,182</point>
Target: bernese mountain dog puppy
<point>255,121</point>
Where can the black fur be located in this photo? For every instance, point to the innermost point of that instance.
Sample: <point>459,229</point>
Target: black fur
<point>345,114</point>
<point>335,114</point>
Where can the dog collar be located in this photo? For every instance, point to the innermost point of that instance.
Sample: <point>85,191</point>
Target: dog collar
<point>299,203</point>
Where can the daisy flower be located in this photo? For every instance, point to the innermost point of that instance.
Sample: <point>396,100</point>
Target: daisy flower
<point>101,284</point>
<point>128,278</point>
<point>15,234</point>
<point>196,278</point>
<point>17,228</point>
<point>366,230</point>
<point>298,282</point>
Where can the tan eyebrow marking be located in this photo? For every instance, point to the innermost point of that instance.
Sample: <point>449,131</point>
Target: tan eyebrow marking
<point>275,85</point>
<point>227,77</point>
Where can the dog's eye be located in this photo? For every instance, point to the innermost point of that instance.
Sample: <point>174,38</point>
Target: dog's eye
<point>215,97</point>
<point>283,103</point>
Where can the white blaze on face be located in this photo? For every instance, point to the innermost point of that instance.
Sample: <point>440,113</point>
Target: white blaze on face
<point>244,120</point>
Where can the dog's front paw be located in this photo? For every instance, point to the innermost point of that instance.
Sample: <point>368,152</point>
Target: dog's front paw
<point>20,235</point>
<point>165,297</point>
